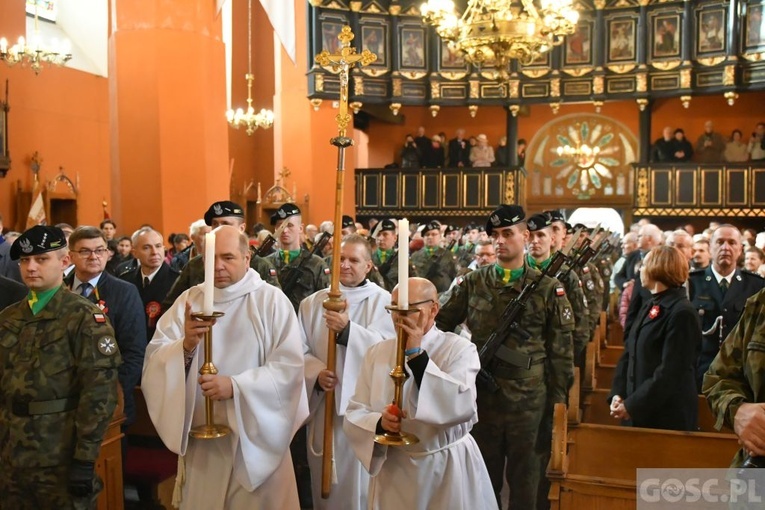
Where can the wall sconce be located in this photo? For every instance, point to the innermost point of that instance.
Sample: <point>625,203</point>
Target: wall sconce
<point>514,109</point>
<point>642,104</point>
<point>434,109</point>
<point>356,106</point>
<point>731,97</point>
<point>395,107</point>
<point>686,101</point>
<point>555,107</point>
<point>473,110</point>
<point>598,106</point>
<point>316,103</point>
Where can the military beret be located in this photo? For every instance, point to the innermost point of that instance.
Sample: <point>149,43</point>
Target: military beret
<point>505,216</point>
<point>38,239</point>
<point>348,222</point>
<point>539,221</point>
<point>555,215</point>
<point>431,225</point>
<point>284,212</point>
<point>388,225</point>
<point>481,228</point>
<point>581,226</point>
<point>450,229</point>
<point>569,228</point>
<point>223,209</point>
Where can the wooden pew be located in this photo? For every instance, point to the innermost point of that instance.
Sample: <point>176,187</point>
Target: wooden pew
<point>610,355</point>
<point>109,462</point>
<point>594,466</point>
<point>604,375</point>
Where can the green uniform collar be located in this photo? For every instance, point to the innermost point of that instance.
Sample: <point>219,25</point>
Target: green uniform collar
<point>288,256</point>
<point>384,255</point>
<point>508,275</point>
<point>538,265</point>
<point>430,251</point>
<point>38,300</point>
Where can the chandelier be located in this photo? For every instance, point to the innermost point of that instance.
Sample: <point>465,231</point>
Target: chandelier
<point>494,32</point>
<point>33,53</point>
<point>248,118</point>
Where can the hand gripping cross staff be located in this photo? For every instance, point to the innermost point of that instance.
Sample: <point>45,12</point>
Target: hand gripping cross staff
<point>341,64</point>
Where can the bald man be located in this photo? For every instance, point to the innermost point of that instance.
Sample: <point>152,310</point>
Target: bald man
<point>445,469</point>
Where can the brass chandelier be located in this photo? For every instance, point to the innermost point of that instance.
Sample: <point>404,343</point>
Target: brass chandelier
<point>248,118</point>
<point>494,32</point>
<point>33,53</point>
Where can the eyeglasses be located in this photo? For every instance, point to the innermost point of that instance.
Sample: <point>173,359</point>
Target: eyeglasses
<point>85,253</point>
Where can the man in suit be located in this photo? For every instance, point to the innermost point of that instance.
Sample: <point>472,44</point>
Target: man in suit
<point>459,150</point>
<point>649,236</point>
<point>11,292</point>
<point>153,277</point>
<point>117,299</point>
<point>719,293</point>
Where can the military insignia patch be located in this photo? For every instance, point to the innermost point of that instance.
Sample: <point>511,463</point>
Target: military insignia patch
<point>217,209</point>
<point>495,220</point>
<point>708,278</point>
<point>107,346</point>
<point>327,270</point>
<point>738,277</point>
<point>532,225</point>
<point>560,291</point>
<point>590,285</point>
<point>26,245</point>
<point>272,272</point>
<point>99,318</point>
<point>654,312</point>
<point>606,272</point>
<point>567,314</point>
<point>460,280</point>
<point>586,269</point>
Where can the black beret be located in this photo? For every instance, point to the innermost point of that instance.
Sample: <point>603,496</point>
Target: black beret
<point>555,215</point>
<point>388,225</point>
<point>505,216</point>
<point>348,222</point>
<point>581,226</point>
<point>539,221</point>
<point>36,240</point>
<point>223,209</point>
<point>431,225</point>
<point>451,228</point>
<point>569,228</point>
<point>284,212</point>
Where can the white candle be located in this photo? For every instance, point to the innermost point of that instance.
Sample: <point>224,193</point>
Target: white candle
<point>209,287</point>
<point>403,264</point>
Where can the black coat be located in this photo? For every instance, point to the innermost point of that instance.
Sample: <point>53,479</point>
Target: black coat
<point>153,295</point>
<point>707,299</point>
<point>459,152</point>
<point>656,374</point>
<point>122,305</point>
<point>11,292</point>
<point>627,272</point>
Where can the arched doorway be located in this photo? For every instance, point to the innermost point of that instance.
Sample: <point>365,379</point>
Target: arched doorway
<point>606,217</point>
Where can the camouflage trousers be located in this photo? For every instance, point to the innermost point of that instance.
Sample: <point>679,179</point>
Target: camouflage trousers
<point>506,433</point>
<point>41,489</point>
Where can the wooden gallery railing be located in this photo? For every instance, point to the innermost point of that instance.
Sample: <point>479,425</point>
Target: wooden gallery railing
<point>712,190</point>
<point>437,192</point>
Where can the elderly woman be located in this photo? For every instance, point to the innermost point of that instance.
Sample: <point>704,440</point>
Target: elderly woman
<point>736,151</point>
<point>482,154</point>
<point>654,383</point>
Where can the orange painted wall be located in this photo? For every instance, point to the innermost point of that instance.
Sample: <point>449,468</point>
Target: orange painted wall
<point>62,114</point>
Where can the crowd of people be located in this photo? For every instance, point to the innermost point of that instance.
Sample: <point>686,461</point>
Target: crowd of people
<point>423,151</point>
<point>710,147</point>
<point>135,316</point>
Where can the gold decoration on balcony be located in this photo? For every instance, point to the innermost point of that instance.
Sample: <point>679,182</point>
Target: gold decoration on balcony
<point>473,110</point>
<point>686,100</point>
<point>356,106</point>
<point>434,108</point>
<point>316,103</point>
<point>642,104</point>
<point>395,107</point>
<point>555,107</point>
<point>598,106</point>
<point>514,109</point>
<point>495,32</point>
<point>33,53</point>
<point>666,65</point>
<point>731,97</point>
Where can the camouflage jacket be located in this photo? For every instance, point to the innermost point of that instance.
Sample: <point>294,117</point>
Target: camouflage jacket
<point>481,296</point>
<point>575,294</point>
<point>737,374</point>
<point>388,272</point>
<point>439,268</point>
<point>465,255</point>
<point>592,286</point>
<point>58,382</point>
<point>314,275</point>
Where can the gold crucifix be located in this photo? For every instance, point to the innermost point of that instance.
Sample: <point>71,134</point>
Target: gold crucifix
<point>342,62</point>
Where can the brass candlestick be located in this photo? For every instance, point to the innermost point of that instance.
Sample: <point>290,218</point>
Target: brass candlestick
<point>399,376</point>
<point>209,430</point>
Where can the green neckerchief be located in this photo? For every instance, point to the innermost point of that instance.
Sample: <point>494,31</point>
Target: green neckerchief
<point>38,300</point>
<point>508,275</point>
<point>429,251</point>
<point>455,248</point>
<point>288,255</point>
<point>469,246</point>
<point>538,265</point>
<point>384,254</point>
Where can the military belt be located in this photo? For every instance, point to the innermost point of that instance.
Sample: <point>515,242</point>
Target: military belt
<point>21,408</point>
<point>514,358</point>
<point>510,372</point>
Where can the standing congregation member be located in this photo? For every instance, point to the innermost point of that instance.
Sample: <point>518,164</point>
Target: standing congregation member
<point>654,381</point>
<point>117,299</point>
<point>536,368</point>
<point>445,469</point>
<point>258,391</point>
<point>385,256</point>
<point>363,323</point>
<point>58,384</point>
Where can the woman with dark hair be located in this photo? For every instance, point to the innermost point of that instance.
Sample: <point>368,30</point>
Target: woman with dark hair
<point>654,383</point>
<point>682,150</point>
<point>736,151</point>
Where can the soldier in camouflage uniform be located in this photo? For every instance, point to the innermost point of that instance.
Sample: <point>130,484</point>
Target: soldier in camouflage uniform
<point>592,284</point>
<point>433,262</point>
<point>735,382</point>
<point>219,213</point>
<point>510,419</point>
<point>58,384</point>
<point>466,254</point>
<point>385,257</point>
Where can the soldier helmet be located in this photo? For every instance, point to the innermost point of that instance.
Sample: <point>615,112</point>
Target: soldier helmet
<point>539,221</point>
<point>36,240</point>
<point>223,209</point>
<point>506,215</point>
<point>284,212</point>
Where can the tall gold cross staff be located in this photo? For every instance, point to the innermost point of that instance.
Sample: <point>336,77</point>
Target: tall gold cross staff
<point>339,63</point>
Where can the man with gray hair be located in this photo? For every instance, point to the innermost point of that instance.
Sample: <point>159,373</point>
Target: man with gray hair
<point>197,232</point>
<point>683,241</point>
<point>649,236</point>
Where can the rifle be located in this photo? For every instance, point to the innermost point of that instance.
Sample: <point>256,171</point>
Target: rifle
<point>584,254</point>
<point>291,277</point>
<point>433,269</point>
<point>508,322</point>
<point>266,247</point>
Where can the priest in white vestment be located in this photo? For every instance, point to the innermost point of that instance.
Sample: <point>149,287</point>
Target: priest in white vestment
<point>445,470</point>
<point>258,391</point>
<point>364,323</point>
